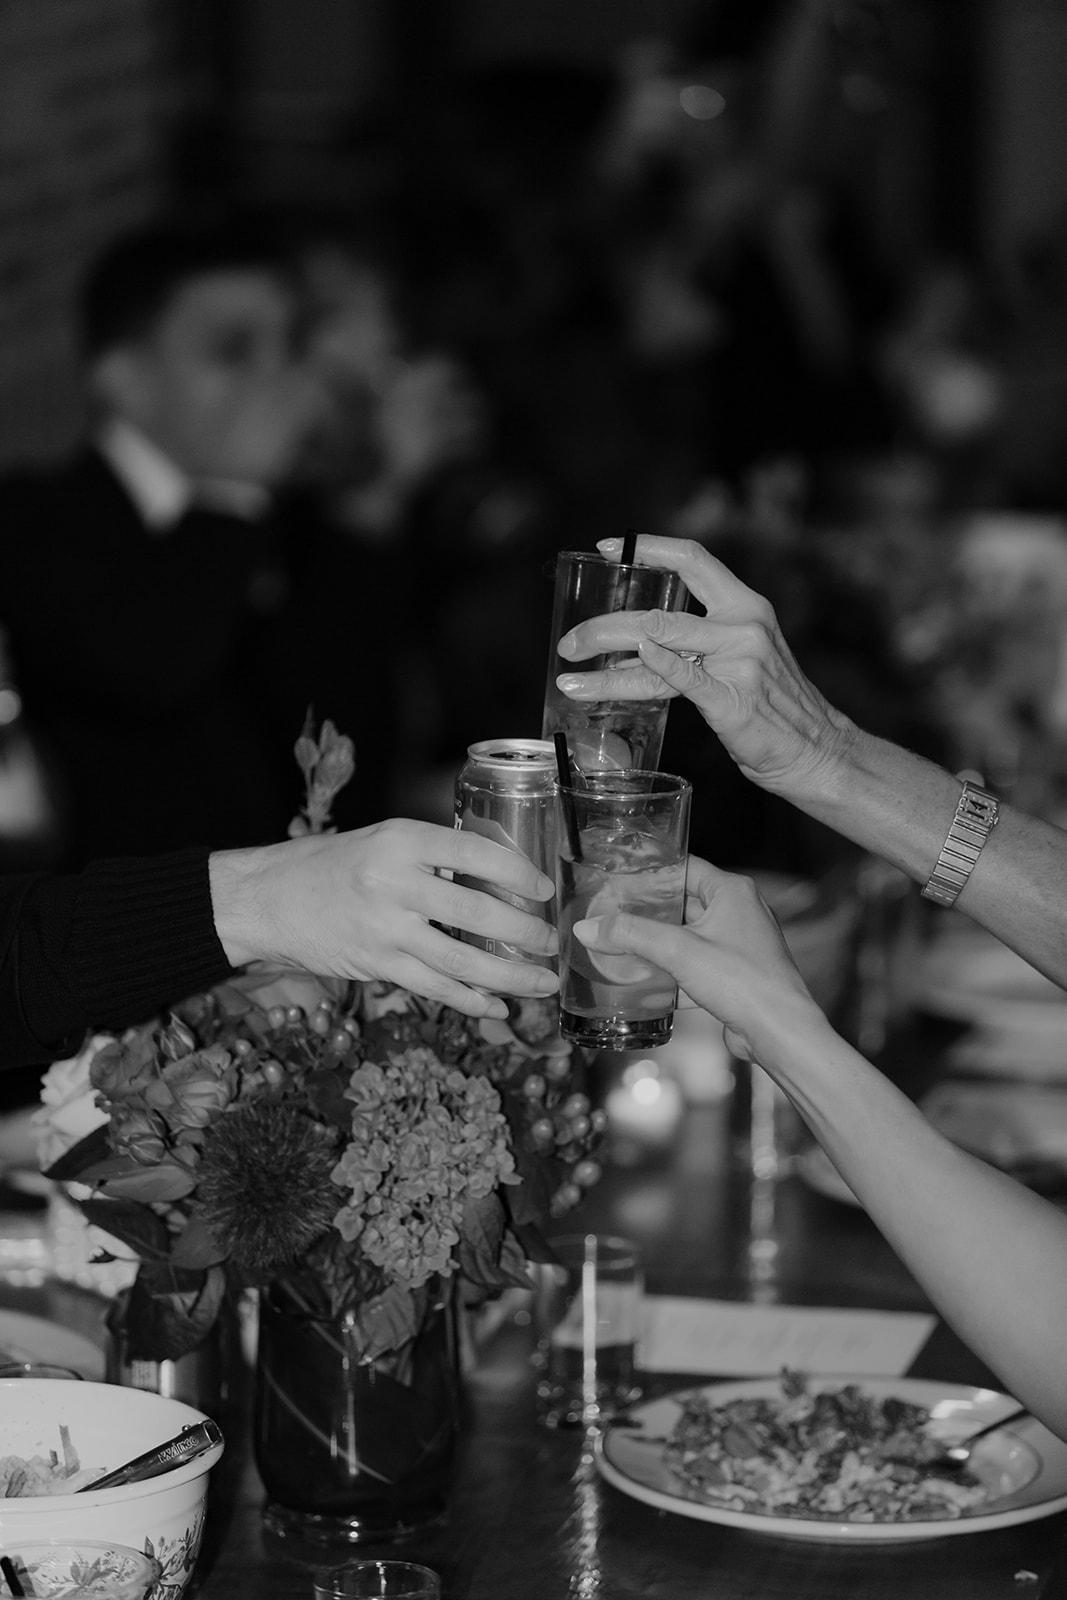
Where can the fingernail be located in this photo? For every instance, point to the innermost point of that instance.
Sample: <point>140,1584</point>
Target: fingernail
<point>586,929</point>
<point>568,681</point>
<point>566,645</point>
<point>609,544</point>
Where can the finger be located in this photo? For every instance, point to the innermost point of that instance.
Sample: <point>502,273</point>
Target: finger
<point>459,906</point>
<point>431,985</point>
<point>664,945</point>
<point>705,576</point>
<point>631,683</point>
<point>702,879</point>
<point>474,856</point>
<point>453,960</point>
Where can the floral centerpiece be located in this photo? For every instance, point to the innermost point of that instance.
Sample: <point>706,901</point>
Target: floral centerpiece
<point>363,1157</point>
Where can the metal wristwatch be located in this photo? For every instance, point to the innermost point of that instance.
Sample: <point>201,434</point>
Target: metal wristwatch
<point>976,816</point>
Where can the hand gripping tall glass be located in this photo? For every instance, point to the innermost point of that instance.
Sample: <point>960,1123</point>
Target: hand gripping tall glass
<point>606,735</point>
<point>622,840</point>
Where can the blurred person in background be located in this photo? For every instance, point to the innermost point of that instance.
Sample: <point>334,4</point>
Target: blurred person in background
<point>137,574</point>
<point>409,540</point>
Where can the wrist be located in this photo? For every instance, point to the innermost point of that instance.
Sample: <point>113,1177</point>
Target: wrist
<point>237,880</point>
<point>791,1029</point>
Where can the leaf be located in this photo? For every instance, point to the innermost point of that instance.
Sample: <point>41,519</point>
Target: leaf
<point>481,1231</point>
<point>153,1185</point>
<point>163,1319</point>
<point>136,1225</point>
<point>86,1153</point>
<point>532,1244</point>
<point>196,1245</point>
<point>388,1321</point>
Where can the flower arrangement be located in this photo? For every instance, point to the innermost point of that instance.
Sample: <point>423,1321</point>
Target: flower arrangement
<point>351,1141</point>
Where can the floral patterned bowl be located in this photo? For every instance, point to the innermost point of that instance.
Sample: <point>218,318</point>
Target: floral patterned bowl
<point>84,1571</point>
<point>108,1425</point>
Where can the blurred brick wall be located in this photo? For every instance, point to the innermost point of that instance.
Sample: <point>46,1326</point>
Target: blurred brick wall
<point>86,87</point>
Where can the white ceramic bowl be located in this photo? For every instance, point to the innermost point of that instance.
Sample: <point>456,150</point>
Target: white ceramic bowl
<point>109,1425</point>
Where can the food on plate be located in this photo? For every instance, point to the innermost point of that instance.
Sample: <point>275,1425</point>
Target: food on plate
<point>841,1454</point>
<point>36,1475</point>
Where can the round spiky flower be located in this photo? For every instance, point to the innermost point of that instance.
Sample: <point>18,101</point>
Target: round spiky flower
<point>264,1183</point>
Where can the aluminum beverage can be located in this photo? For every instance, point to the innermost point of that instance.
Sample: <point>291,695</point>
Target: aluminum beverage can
<point>505,791</point>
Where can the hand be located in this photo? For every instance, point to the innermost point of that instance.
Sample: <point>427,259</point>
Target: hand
<point>737,670</point>
<point>362,904</point>
<point>431,415</point>
<point>729,958</point>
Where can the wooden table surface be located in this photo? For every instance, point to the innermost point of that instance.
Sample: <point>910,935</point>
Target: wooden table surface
<point>532,1520</point>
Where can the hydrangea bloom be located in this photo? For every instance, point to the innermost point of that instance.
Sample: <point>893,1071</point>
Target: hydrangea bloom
<point>426,1139</point>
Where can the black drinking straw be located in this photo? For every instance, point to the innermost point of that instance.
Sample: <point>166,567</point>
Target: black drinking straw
<point>14,1583</point>
<point>566,793</point>
<point>620,595</point>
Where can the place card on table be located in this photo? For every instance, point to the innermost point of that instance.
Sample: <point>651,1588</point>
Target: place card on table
<point>731,1339</point>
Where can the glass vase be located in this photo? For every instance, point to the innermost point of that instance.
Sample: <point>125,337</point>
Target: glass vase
<point>350,1450</point>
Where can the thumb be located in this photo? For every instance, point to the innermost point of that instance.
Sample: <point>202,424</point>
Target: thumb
<point>620,933</point>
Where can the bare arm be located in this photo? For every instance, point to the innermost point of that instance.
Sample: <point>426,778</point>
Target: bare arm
<point>991,1255</point>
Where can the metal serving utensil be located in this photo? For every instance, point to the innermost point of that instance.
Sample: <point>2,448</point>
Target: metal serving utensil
<point>954,1457</point>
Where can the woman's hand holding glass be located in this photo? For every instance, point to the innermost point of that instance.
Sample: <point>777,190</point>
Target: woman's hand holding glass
<point>730,958</point>
<point>732,663</point>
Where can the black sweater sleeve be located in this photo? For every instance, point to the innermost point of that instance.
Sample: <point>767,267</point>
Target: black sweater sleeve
<point>104,948</point>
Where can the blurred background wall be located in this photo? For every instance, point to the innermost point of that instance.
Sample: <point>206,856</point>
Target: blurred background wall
<point>955,110</point>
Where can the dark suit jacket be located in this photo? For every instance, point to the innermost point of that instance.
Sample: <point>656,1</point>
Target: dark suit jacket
<point>139,658</point>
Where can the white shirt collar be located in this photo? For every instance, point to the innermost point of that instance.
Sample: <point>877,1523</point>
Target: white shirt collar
<point>159,488</point>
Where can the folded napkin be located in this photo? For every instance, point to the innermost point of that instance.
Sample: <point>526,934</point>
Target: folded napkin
<point>727,1338</point>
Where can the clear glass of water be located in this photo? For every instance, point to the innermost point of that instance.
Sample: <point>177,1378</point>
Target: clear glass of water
<point>622,840</point>
<point>606,735</point>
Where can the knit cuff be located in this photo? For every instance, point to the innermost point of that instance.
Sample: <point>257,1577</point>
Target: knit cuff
<point>138,935</point>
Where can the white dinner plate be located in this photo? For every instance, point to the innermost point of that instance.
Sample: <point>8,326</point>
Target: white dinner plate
<point>26,1338</point>
<point>1025,1465</point>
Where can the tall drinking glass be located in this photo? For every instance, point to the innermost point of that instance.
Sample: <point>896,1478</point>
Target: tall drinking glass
<point>606,735</point>
<point>622,842</point>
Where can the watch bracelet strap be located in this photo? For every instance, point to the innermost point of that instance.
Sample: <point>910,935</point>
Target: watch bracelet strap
<point>977,813</point>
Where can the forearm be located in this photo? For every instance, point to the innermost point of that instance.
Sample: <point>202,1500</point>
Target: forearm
<point>899,806</point>
<point>991,1255</point>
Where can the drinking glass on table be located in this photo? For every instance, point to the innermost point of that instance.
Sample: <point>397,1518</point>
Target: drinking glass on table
<point>587,1309</point>
<point>606,734</point>
<point>622,842</point>
<point>377,1580</point>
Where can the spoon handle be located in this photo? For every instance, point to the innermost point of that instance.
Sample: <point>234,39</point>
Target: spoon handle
<point>962,1448</point>
<point>193,1441</point>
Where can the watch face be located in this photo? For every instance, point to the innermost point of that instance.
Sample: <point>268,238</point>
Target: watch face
<point>977,807</point>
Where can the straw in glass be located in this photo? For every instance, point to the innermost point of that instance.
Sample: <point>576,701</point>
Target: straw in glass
<point>566,793</point>
<point>14,1583</point>
<point>620,595</point>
